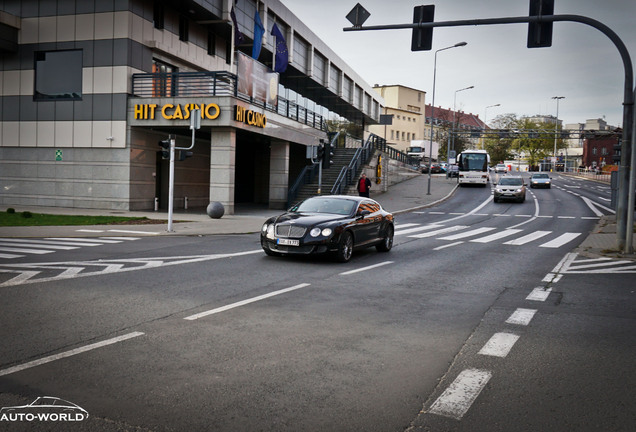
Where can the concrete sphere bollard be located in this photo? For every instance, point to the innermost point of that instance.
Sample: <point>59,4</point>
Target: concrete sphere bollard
<point>215,210</point>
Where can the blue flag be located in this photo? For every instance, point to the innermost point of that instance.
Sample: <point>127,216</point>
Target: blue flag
<point>258,35</point>
<point>281,59</point>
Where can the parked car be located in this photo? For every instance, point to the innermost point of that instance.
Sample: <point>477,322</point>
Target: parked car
<point>540,180</point>
<point>510,188</point>
<point>335,224</point>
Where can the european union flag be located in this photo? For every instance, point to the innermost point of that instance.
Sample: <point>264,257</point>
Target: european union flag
<point>281,59</point>
<point>258,36</point>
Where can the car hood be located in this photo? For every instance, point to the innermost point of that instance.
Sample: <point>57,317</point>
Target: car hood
<point>307,219</point>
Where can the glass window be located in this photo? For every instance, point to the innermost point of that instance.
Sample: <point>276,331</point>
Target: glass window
<point>58,75</point>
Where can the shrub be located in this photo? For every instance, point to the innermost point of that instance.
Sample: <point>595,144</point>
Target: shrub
<point>26,214</point>
<point>10,210</point>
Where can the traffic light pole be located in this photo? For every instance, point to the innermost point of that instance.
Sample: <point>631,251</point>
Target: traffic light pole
<point>171,186</point>
<point>626,177</point>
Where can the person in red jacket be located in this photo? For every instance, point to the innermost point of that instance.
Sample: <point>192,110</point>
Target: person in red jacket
<point>364,184</point>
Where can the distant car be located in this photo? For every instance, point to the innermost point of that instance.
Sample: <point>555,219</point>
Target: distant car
<point>335,224</point>
<point>510,188</point>
<point>501,168</point>
<point>540,180</point>
<point>452,172</point>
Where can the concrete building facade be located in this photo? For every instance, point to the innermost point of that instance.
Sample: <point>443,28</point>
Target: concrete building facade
<point>89,88</point>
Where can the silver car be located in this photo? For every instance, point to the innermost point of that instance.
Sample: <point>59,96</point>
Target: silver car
<point>540,180</point>
<point>510,188</point>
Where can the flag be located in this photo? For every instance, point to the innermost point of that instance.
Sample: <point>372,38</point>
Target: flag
<point>258,35</point>
<point>282,55</point>
<point>238,36</point>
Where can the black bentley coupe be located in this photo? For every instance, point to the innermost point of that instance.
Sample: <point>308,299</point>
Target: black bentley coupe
<point>335,224</point>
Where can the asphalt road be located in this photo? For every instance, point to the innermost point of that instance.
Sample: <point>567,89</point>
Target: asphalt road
<point>481,318</point>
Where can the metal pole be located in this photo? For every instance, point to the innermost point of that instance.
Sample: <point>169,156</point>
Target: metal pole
<point>629,232</point>
<point>171,185</point>
<point>454,109</point>
<point>430,147</point>
<point>556,126</point>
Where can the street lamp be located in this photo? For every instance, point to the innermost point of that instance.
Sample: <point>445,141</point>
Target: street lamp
<point>485,124</point>
<point>556,126</point>
<point>430,147</point>
<point>453,130</point>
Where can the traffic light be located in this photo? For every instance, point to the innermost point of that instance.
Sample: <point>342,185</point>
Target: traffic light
<point>422,39</point>
<point>184,154</point>
<point>321,152</point>
<point>328,156</point>
<point>540,34</point>
<point>165,152</point>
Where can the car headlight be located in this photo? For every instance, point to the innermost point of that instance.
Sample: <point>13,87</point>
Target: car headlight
<point>498,190</point>
<point>518,190</point>
<point>315,232</point>
<point>268,230</point>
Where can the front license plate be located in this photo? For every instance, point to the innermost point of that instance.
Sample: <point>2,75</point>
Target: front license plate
<point>287,242</point>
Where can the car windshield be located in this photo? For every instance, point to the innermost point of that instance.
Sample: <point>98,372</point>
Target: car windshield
<point>511,181</point>
<point>326,205</point>
<point>540,176</point>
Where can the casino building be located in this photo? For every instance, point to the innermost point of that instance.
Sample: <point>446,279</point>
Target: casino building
<point>89,88</point>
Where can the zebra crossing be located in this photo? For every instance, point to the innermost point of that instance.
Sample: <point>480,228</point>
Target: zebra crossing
<point>485,234</point>
<point>12,248</point>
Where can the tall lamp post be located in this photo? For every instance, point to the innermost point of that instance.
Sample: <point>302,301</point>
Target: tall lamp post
<point>430,147</point>
<point>556,127</point>
<point>453,130</point>
<point>485,122</point>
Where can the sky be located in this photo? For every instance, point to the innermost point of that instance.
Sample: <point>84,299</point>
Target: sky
<point>582,65</point>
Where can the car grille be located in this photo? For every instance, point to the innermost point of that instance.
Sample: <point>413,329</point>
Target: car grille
<point>292,231</point>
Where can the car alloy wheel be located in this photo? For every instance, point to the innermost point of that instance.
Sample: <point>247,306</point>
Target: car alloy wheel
<point>345,247</point>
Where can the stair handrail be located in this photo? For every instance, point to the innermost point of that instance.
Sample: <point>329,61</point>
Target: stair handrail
<point>306,176</point>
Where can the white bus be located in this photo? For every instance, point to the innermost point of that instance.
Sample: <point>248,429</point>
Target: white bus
<point>473,167</point>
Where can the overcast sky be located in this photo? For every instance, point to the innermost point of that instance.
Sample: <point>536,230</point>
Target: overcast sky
<point>583,64</point>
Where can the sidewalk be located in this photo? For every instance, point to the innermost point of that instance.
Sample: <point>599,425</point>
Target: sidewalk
<point>402,197</point>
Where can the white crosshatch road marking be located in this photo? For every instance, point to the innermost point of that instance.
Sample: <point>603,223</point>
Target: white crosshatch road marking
<point>23,247</point>
<point>572,264</point>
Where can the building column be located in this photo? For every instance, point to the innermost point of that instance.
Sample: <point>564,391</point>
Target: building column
<point>223,167</point>
<point>278,174</point>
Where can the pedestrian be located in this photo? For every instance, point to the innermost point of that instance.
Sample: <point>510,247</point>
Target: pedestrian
<point>364,184</point>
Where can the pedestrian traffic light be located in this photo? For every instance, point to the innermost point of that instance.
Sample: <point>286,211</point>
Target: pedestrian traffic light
<point>165,152</point>
<point>184,154</point>
<point>422,39</point>
<point>540,33</point>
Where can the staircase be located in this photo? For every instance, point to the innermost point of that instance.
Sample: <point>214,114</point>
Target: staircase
<point>341,158</point>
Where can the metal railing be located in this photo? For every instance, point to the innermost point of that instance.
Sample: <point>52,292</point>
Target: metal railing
<point>219,83</point>
<point>306,176</point>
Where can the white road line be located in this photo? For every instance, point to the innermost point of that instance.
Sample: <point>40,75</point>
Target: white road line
<point>22,250</point>
<point>456,214</point>
<point>134,232</point>
<point>470,233</point>
<point>560,240</point>
<point>416,229</point>
<point>521,316</point>
<point>497,236</point>
<point>501,215</point>
<point>46,243</point>
<point>119,238</point>
<point>439,231</point>
<point>577,264</point>
<point>455,401</point>
<point>528,238</point>
<point>499,345</point>
<point>90,230</point>
<point>84,242</point>
<point>30,245</point>
<point>566,217</point>
<point>365,268</point>
<point>70,353</point>
<point>539,294</point>
<point>244,302</point>
<point>448,245</point>
<point>10,256</point>
<point>591,217</point>
<point>406,225</point>
<point>436,212</point>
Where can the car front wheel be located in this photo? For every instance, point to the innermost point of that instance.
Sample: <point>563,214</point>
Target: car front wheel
<point>345,247</point>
